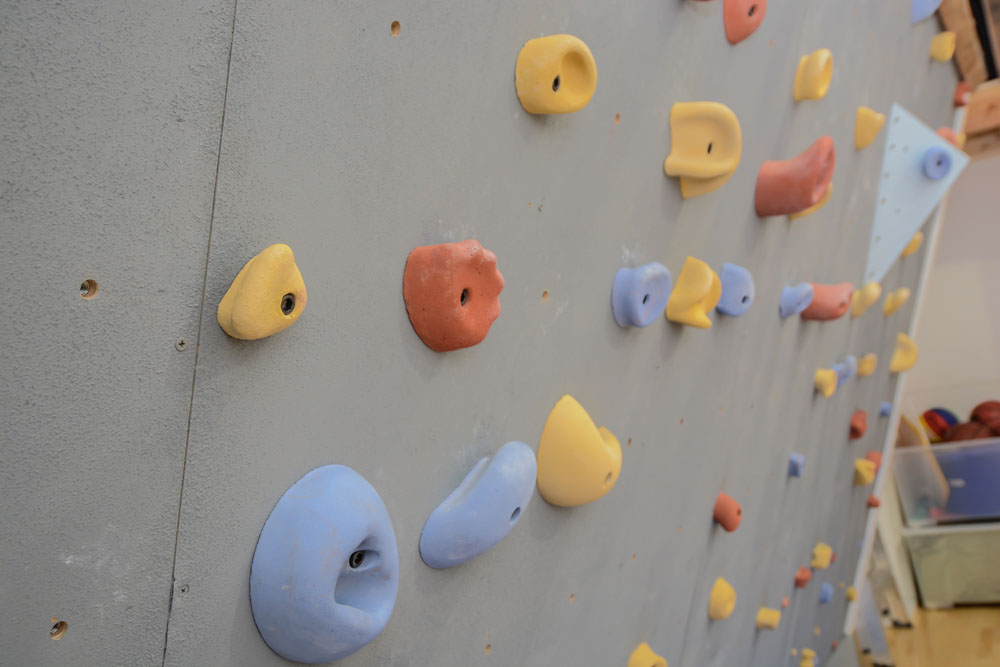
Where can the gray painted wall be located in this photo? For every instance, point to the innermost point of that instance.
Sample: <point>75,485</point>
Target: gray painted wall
<point>353,147</point>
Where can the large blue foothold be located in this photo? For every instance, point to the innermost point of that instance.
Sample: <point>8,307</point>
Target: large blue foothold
<point>922,9</point>
<point>885,409</point>
<point>640,295</point>
<point>325,571</point>
<point>825,593</point>
<point>846,369</point>
<point>936,163</point>
<point>482,510</point>
<point>737,290</point>
<point>795,299</point>
<point>796,462</point>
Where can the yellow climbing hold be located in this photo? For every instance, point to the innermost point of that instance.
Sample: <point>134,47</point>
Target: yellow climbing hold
<point>867,125</point>
<point>943,46</point>
<point>863,298</point>
<point>705,146</point>
<point>867,364</point>
<point>905,354</point>
<point>815,207</point>
<point>266,296</point>
<point>695,295</point>
<point>812,78</point>
<point>821,556</point>
<point>894,300</point>
<point>555,74</point>
<point>825,381</point>
<point>643,656</point>
<point>913,245</point>
<point>768,619</point>
<point>577,462</point>
<point>851,593</point>
<point>721,600</point>
<point>808,658</point>
<point>864,472</point>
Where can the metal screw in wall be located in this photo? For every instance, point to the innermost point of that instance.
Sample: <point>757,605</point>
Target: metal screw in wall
<point>181,344</point>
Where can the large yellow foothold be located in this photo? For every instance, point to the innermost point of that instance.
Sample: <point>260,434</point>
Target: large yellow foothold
<point>867,364</point>
<point>555,74</point>
<point>266,296</point>
<point>705,146</point>
<point>825,381</point>
<point>808,658</point>
<point>894,300</point>
<point>643,656</point>
<point>812,78</point>
<point>862,299</point>
<point>815,207</point>
<point>913,245</point>
<point>851,593</point>
<point>864,472</point>
<point>768,619</point>
<point>721,600</point>
<point>905,355</point>
<point>577,462</point>
<point>943,46</point>
<point>695,295</point>
<point>821,556</point>
<point>867,126</point>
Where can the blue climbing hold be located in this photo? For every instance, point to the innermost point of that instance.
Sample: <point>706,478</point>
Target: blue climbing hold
<point>795,299</point>
<point>325,571</point>
<point>885,409</point>
<point>846,369</point>
<point>737,290</point>
<point>796,463</point>
<point>482,510</point>
<point>825,593</point>
<point>639,296</point>
<point>922,9</point>
<point>936,163</point>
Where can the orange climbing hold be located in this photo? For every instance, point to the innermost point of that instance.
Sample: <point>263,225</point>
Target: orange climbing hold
<point>874,457</point>
<point>802,576</point>
<point>790,186</point>
<point>859,424</point>
<point>728,512</point>
<point>742,17</point>
<point>829,301</point>
<point>873,501</point>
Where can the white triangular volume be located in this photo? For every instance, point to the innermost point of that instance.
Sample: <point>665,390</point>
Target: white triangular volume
<point>906,197</point>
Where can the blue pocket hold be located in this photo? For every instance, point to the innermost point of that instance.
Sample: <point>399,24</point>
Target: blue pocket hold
<point>846,369</point>
<point>825,593</point>
<point>796,463</point>
<point>737,290</point>
<point>936,163</point>
<point>639,296</point>
<point>795,299</point>
<point>885,409</point>
<point>482,510</point>
<point>325,571</point>
<point>922,9</point>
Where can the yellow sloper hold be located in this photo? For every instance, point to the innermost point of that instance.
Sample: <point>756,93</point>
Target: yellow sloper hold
<point>821,556</point>
<point>851,593</point>
<point>815,207</point>
<point>808,658</point>
<point>825,381</point>
<point>577,462</point>
<point>894,300</point>
<point>768,619</point>
<point>862,299</point>
<point>695,295</point>
<point>705,146</point>
<point>867,364</point>
<point>555,74</point>
<point>721,601</point>
<point>943,46</point>
<point>864,472</point>
<point>905,354</point>
<point>867,125</point>
<point>266,296</point>
<point>812,78</point>
<point>643,656</point>
<point>913,245</point>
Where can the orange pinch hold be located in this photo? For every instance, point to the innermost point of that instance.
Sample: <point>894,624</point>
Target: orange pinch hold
<point>859,424</point>
<point>802,576</point>
<point>873,501</point>
<point>727,513</point>
<point>790,186</point>
<point>829,301</point>
<point>742,17</point>
<point>874,457</point>
<point>452,293</point>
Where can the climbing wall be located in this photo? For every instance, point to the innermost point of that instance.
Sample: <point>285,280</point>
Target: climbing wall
<point>155,148</point>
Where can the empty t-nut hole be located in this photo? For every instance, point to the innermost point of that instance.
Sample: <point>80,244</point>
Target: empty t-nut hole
<point>516,513</point>
<point>288,304</point>
<point>394,29</point>
<point>555,84</point>
<point>88,289</point>
<point>356,559</point>
<point>645,298</point>
<point>464,297</point>
<point>59,628</point>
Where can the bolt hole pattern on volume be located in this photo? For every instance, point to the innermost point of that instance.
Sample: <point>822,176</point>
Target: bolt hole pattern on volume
<point>643,656</point>
<point>639,295</point>
<point>483,510</point>
<point>266,296</point>
<point>792,186</point>
<point>555,74</point>
<point>452,293</point>
<point>325,571</point>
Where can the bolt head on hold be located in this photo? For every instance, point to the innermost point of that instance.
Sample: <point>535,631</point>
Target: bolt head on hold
<point>796,464</point>
<point>639,295</point>
<point>555,74</point>
<point>737,290</point>
<point>727,512</point>
<point>795,299</point>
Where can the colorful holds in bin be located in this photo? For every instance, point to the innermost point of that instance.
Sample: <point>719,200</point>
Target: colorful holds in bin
<point>643,656</point>
<point>825,593</point>
<point>862,299</point>
<point>452,293</point>
<point>829,302</point>
<point>859,424</point>
<point>936,163</point>
<point>864,472</point>
<point>705,146</point>
<point>867,124</point>
<point>696,294</point>
<point>742,17</point>
<point>639,295</point>
<point>905,355</point>
<point>802,576</point>
<point>791,186</point>
<point>768,619</point>
<point>813,75</point>
<point>737,290</point>
<point>727,512</point>
<point>988,413</point>
<point>555,74</point>
<point>825,381</point>
<point>822,555</point>
<point>482,510</point>
<point>795,299</point>
<point>267,295</point>
<point>943,46</point>
<point>936,422</point>
<point>894,300</point>
<point>867,364</point>
<point>722,600</point>
<point>796,464</point>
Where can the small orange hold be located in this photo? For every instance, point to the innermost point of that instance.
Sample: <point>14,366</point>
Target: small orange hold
<point>790,186</point>
<point>948,135</point>
<point>742,17</point>
<point>802,576</point>
<point>829,301</point>
<point>785,602</point>
<point>873,501</point>
<point>874,457</point>
<point>859,424</point>
<point>834,644</point>
<point>727,513</point>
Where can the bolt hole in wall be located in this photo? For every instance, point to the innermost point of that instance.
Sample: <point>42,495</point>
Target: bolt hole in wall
<point>59,629</point>
<point>545,295</point>
<point>88,289</point>
<point>394,29</point>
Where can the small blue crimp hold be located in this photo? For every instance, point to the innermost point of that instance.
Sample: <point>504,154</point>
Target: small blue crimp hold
<point>922,9</point>
<point>825,593</point>
<point>846,369</point>
<point>796,463</point>
<point>795,299</point>
<point>936,163</point>
<point>737,290</point>
<point>482,510</point>
<point>639,296</point>
<point>885,409</point>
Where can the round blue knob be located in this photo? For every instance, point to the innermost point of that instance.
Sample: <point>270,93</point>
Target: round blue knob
<point>937,163</point>
<point>640,295</point>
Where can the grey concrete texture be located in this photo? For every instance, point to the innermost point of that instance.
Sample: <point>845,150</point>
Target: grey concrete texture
<point>354,146</point>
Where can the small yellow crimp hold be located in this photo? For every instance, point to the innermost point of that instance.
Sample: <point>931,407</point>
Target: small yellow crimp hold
<point>894,300</point>
<point>867,125</point>
<point>863,298</point>
<point>943,46</point>
<point>905,354</point>
<point>825,381</point>
<point>643,656</point>
<point>812,78</point>
<point>808,658</point>
<point>768,619</point>
<point>867,364</point>
<point>864,472</point>
<point>913,245</point>
<point>821,556</point>
<point>555,74</point>
<point>705,146</point>
<point>695,295</point>
<point>266,296</point>
<point>851,593</point>
<point>722,600</point>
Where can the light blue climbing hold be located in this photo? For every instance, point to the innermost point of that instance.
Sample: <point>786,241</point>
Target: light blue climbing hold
<point>936,163</point>
<point>846,369</point>
<point>482,510</point>
<point>885,409</point>
<point>639,296</point>
<point>795,299</point>
<point>825,593</point>
<point>737,290</point>
<point>796,463</point>
<point>325,571</point>
<point>922,9</point>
